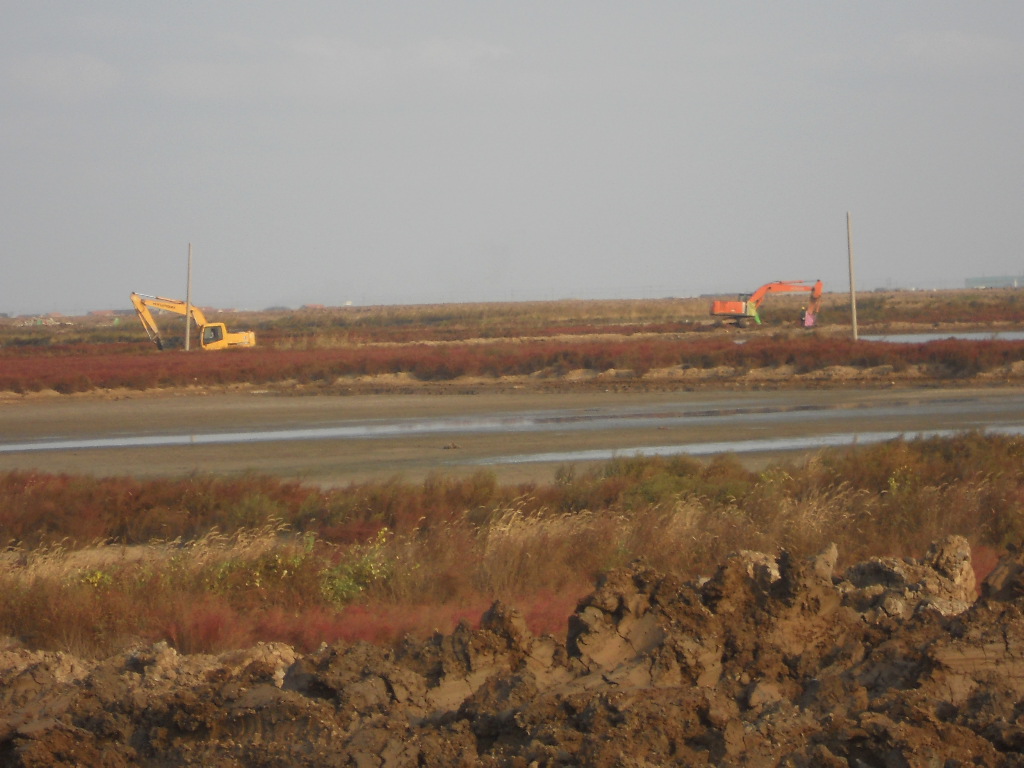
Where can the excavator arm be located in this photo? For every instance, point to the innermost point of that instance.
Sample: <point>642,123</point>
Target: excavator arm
<point>142,304</point>
<point>211,335</point>
<point>810,317</point>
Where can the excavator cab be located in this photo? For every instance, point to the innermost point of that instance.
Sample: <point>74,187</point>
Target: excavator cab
<point>217,336</point>
<point>213,333</point>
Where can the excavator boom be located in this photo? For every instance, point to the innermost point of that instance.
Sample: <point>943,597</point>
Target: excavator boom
<point>211,335</point>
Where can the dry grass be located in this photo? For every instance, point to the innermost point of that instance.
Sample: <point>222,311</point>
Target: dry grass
<point>376,561</point>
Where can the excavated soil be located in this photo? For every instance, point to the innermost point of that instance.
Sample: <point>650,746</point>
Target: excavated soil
<point>768,662</point>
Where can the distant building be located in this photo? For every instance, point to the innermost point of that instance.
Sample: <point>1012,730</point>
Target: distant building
<point>995,282</point>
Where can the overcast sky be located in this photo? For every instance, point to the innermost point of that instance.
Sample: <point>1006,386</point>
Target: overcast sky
<point>407,152</point>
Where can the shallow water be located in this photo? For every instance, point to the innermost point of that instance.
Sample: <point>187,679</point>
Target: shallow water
<point>768,445</point>
<point>923,338</point>
<point>724,414</point>
<point>540,421</point>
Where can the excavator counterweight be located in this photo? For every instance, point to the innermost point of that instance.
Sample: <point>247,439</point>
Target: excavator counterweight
<point>748,306</point>
<point>211,335</point>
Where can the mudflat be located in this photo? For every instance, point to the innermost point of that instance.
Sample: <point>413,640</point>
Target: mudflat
<point>478,430</point>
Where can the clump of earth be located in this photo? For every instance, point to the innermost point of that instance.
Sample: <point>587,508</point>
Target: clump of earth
<point>770,661</point>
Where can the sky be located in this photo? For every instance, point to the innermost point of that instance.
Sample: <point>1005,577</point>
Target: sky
<point>330,151</point>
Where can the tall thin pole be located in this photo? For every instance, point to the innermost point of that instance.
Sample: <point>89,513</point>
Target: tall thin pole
<point>188,301</point>
<point>853,284</point>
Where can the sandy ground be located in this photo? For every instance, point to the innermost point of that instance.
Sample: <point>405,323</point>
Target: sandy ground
<point>414,455</point>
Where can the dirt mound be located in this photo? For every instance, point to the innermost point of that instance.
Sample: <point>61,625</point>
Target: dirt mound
<point>771,661</point>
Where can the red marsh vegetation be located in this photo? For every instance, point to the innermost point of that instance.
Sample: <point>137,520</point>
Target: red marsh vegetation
<point>92,565</point>
<point>437,343</point>
<point>82,368</point>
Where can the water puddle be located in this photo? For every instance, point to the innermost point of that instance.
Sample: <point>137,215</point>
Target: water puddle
<point>736,446</point>
<point>589,419</point>
<point>924,338</point>
<point>763,415</point>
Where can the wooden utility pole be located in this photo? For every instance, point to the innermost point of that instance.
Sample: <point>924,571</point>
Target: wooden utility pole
<point>853,284</point>
<point>188,301</point>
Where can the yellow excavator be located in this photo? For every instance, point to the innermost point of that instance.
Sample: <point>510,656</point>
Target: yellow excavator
<point>211,335</point>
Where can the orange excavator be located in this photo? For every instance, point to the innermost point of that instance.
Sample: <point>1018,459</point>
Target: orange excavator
<point>747,306</point>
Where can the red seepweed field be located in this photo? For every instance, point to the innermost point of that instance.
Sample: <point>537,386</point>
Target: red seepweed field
<point>431,344</point>
<point>88,367</point>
